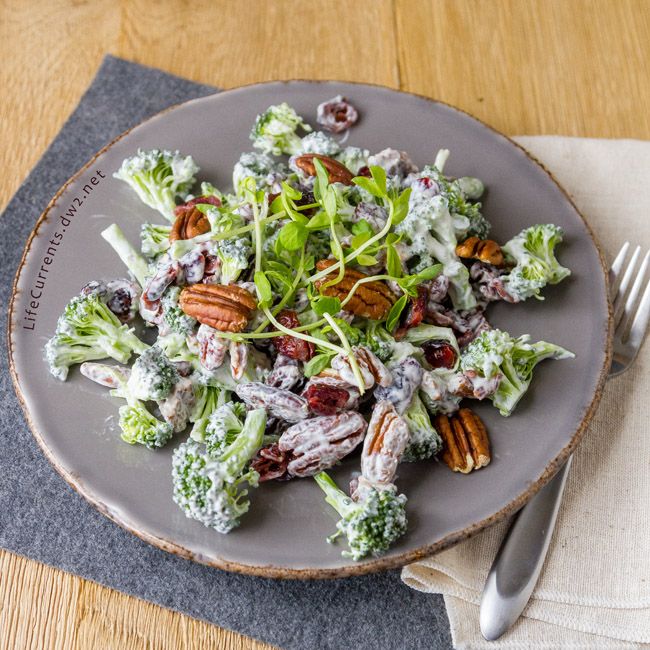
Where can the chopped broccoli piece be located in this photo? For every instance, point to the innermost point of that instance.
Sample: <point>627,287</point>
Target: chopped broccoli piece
<point>495,353</point>
<point>354,158</point>
<point>424,441</point>
<point>536,266</point>
<point>234,255</point>
<point>213,490</point>
<point>158,177</point>
<point>131,258</point>
<point>173,316</point>
<point>370,525</point>
<point>259,166</point>
<point>320,143</point>
<point>224,425</point>
<point>153,375</point>
<point>208,399</point>
<point>176,348</point>
<point>379,340</point>
<point>429,230</point>
<point>138,425</point>
<point>467,217</point>
<point>88,330</point>
<point>154,239</point>
<point>274,130</point>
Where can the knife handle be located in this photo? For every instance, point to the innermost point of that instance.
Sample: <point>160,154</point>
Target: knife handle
<point>520,559</point>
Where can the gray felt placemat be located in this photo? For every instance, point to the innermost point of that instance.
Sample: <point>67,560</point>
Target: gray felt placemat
<point>42,518</point>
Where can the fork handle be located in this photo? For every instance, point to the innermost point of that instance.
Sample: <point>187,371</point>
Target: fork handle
<point>519,562</point>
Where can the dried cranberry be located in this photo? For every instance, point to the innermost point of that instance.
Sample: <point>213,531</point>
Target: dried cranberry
<point>413,317</point>
<point>120,302</point>
<point>439,354</point>
<point>364,171</point>
<point>326,400</point>
<point>290,346</point>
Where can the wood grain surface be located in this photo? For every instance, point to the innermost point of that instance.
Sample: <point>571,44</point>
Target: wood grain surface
<point>569,67</point>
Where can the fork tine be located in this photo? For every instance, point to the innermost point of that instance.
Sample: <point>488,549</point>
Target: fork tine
<point>619,303</point>
<point>633,297</point>
<point>616,268</point>
<point>641,320</point>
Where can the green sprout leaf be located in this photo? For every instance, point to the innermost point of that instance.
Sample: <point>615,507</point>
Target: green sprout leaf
<point>293,236</point>
<point>263,287</point>
<point>393,263</point>
<point>395,312</point>
<point>317,364</point>
<point>379,176</point>
<point>401,206</point>
<point>326,305</point>
<point>368,184</point>
<point>366,260</point>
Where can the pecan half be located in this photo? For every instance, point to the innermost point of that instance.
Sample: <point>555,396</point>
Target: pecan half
<point>286,373</point>
<point>336,172</point>
<point>189,223</point>
<point>321,442</point>
<point>387,437</point>
<point>485,250</point>
<point>282,404</point>
<point>466,444</point>
<point>371,300</point>
<point>226,308</point>
<point>372,369</point>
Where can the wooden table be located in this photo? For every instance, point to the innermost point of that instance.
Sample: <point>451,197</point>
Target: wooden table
<point>526,67</point>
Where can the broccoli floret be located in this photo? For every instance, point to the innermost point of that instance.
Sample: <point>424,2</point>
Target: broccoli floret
<point>176,349</point>
<point>138,425</point>
<point>158,177</point>
<point>536,266</point>
<point>320,143</point>
<point>495,353</point>
<point>234,254</point>
<point>258,166</point>
<point>154,239</point>
<point>89,330</point>
<point>274,130</point>
<point>429,230</point>
<point>213,490</point>
<point>208,400</point>
<point>153,375</point>
<point>379,340</point>
<point>354,158</point>
<point>466,216</point>
<point>370,525</point>
<point>176,320</point>
<point>424,441</point>
<point>133,261</point>
<point>225,424</point>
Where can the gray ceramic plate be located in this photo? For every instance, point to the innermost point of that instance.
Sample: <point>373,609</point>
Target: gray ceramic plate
<point>284,533</point>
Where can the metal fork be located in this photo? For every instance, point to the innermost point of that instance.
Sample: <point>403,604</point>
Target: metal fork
<point>520,558</point>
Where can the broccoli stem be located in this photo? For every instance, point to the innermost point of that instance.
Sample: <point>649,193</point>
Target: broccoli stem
<point>131,258</point>
<point>338,499</point>
<point>247,442</point>
<point>441,159</point>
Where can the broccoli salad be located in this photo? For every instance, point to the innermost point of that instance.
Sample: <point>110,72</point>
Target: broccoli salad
<point>330,300</point>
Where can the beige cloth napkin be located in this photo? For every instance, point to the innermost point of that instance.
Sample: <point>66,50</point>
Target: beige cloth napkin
<point>594,591</point>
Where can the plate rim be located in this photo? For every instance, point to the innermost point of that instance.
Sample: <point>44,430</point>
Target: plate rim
<point>373,565</point>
